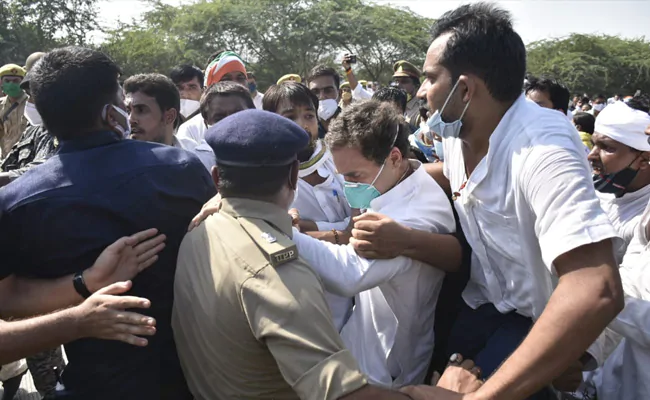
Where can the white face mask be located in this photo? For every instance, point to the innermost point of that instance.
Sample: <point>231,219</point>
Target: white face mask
<point>188,107</point>
<point>327,108</point>
<point>125,131</point>
<point>32,115</point>
<point>599,107</point>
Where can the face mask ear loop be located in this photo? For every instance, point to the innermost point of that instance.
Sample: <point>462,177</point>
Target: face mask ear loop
<point>453,89</point>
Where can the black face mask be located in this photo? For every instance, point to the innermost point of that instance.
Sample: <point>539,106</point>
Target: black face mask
<point>616,183</point>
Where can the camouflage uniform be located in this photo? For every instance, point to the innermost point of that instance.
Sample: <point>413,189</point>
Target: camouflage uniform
<point>33,148</point>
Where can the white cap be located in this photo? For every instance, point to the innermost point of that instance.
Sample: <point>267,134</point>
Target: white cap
<point>624,124</point>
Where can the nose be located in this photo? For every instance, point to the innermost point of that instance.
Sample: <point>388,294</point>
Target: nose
<point>593,155</point>
<point>422,92</point>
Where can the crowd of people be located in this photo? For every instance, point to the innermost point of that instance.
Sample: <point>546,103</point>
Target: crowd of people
<point>467,231</point>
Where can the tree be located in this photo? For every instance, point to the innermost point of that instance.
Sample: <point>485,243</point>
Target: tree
<point>593,64</point>
<point>27,26</point>
<point>275,37</point>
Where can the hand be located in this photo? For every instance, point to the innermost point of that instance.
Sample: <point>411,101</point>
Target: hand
<point>571,379</point>
<point>211,207</point>
<point>376,236</point>
<point>461,376</point>
<point>295,217</point>
<point>345,63</point>
<point>124,259</point>
<point>102,316</point>
<point>424,392</point>
<point>647,130</point>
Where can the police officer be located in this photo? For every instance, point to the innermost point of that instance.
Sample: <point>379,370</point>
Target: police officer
<point>12,107</point>
<point>407,77</point>
<point>250,319</point>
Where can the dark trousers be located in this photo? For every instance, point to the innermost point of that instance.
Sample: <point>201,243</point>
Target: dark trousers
<point>489,337</point>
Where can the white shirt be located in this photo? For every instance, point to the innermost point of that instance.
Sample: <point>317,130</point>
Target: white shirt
<point>360,93</point>
<point>325,204</point>
<point>625,374</point>
<point>204,152</point>
<point>529,200</point>
<point>390,331</point>
<point>191,133</point>
<point>257,100</point>
<point>625,214</point>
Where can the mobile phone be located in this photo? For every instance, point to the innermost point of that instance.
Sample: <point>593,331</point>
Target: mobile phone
<point>352,59</point>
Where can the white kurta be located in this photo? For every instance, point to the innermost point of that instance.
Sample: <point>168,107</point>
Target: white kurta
<point>390,332</point>
<point>528,201</point>
<point>191,133</point>
<point>625,213</point>
<point>257,100</point>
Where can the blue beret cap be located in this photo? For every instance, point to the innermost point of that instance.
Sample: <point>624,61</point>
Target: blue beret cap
<point>256,138</point>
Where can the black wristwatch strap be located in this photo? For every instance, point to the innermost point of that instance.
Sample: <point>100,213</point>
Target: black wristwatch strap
<point>80,285</point>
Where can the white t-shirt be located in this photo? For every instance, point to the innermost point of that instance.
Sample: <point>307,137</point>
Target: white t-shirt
<point>257,100</point>
<point>390,331</point>
<point>529,200</point>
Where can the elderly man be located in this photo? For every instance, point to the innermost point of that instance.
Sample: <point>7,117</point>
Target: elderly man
<point>12,107</point>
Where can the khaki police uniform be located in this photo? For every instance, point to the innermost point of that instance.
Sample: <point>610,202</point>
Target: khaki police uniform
<point>406,69</point>
<point>250,319</point>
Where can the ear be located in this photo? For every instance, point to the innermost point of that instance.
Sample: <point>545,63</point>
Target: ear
<point>215,175</point>
<point>579,128</point>
<point>395,157</point>
<point>293,177</point>
<point>170,116</point>
<point>113,118</point>
<point>644,163</point>
<point>466,86</point>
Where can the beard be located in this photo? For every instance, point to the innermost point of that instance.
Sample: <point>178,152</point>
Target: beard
<point>305,154</point>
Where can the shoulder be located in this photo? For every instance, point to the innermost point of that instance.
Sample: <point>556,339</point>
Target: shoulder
<point>277,248</point>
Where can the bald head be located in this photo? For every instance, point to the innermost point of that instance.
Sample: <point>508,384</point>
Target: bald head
<point>32,59</point>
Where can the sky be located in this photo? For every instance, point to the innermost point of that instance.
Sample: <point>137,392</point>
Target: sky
<point>534,19</point>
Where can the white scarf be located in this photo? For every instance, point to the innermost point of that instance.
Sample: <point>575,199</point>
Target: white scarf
<point>318,158</point>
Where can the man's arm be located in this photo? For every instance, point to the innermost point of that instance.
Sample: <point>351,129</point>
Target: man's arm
<point>123,260</point>
<point>102,316</point>
<point>342,270</point>
<point>358,92</point>
<point>436,171</point>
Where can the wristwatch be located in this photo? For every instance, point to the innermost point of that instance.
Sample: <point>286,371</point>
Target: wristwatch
<point>80,285</point>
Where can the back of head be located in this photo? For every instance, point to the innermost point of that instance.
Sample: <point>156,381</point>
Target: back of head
<point>185,73</point>
<point>296,93</point>
<point>484,43</point>
<point>371,126</point>
<point>558,93</point>
<point>157,86</point>
<point>322,70</point>
<point>392,95</point>
<point>584,122</point>
<point>71,86</point>
<point>227,89</point>
<point>639,102</point>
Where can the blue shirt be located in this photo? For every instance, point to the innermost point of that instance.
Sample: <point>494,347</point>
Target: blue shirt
<point>59,216</point>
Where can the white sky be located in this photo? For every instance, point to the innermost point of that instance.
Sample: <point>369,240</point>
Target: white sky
<point>534,19</point>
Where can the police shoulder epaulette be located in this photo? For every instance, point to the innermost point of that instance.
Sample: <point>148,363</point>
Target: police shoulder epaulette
<point>276,246</point>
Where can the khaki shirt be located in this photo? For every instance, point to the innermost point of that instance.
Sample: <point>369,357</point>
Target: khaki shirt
<point>12,124</point>
<point>246,329</point>
<point>412,114</point>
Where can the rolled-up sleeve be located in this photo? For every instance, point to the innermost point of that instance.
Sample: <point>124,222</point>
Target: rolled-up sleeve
<point>291,317</point>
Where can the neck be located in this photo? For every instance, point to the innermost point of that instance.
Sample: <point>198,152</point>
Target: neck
<point>169,137</point>
<point>642,180</point>
<point>476,137</point>
<point>14,99</point>
<point>253,94</point>
<point>404,171</point>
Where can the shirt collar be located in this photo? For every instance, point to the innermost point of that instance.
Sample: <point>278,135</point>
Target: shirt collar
<point>400,192</point>
<point>269,212</point>
<point>89,141</point>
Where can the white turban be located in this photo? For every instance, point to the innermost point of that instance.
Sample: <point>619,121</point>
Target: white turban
<point>624,124</point>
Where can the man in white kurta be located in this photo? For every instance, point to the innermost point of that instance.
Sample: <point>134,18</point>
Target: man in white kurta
<point>620,160</point>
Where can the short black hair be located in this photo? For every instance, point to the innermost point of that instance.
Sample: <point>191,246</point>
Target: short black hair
<point>370,125</point>
<point>559,94</point>
<point>392,94</point>
<point>584,100</point>
<point>640,102</point>
<point>185,73</point>
<point>601,96</point>
<point>159,87</point>
<point>295,92</point>
<point>224,88</point>
<point>71,86</point>
<point>586,121</point>
<point>323,70</point>
<point>252,182</point>
<point>484,43</point>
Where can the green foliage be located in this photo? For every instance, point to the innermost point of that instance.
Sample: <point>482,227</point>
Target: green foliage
<point>27,26</point>
<point>275,37</point>
<point>594,64</point>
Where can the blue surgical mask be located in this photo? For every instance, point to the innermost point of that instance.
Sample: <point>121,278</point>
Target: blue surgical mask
<point>446,129</point>
<point>439,151</point>
<point>359,195</point>
<point>252,87</point>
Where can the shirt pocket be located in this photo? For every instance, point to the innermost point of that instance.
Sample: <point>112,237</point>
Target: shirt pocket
<point>500,235</point>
